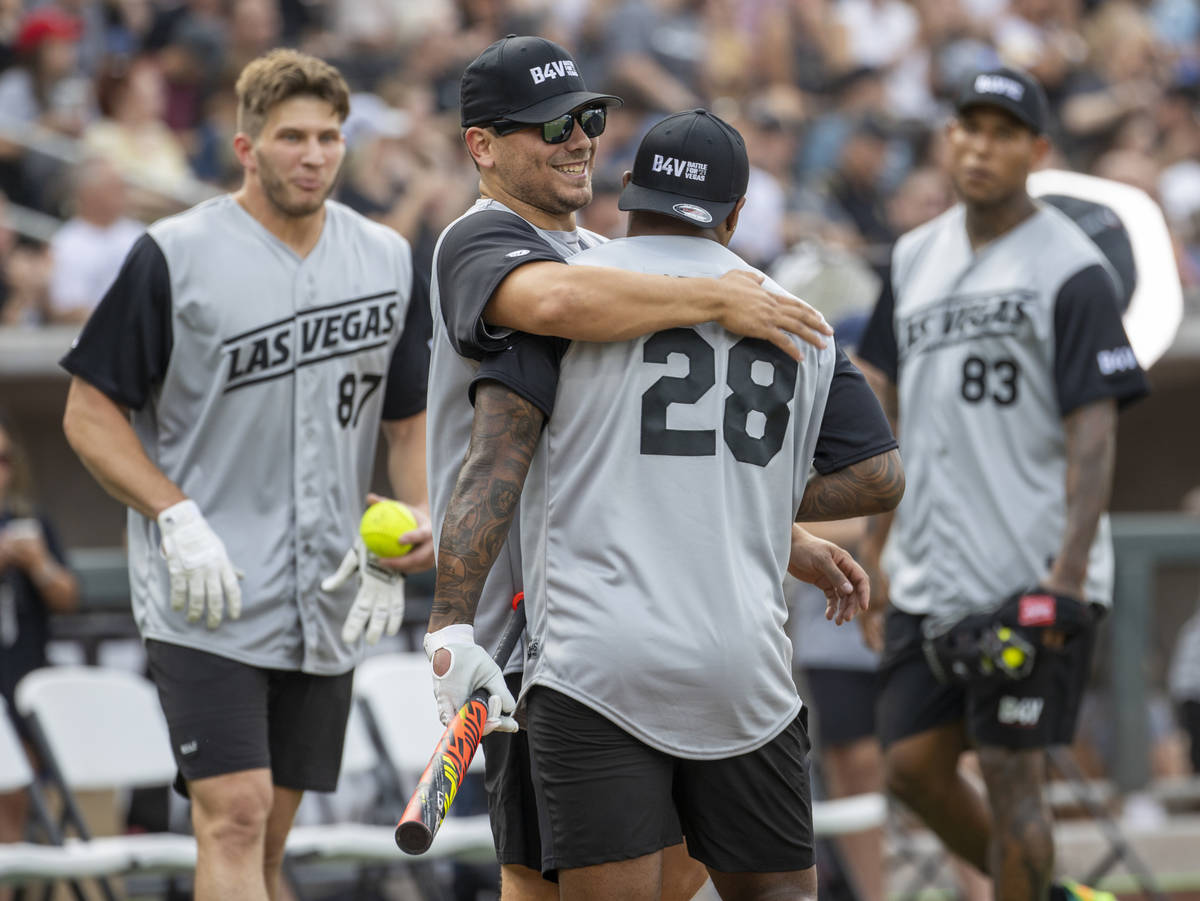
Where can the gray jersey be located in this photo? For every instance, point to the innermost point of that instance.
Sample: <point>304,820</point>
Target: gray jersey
<point>257,381</point>
<point>656,522</point>
<point>990,349</point>
<point>472,257</point>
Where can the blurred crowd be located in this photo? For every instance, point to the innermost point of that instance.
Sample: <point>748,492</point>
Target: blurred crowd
<point>115,112</point>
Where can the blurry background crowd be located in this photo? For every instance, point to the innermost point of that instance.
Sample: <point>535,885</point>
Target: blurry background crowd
<point>114,112</point>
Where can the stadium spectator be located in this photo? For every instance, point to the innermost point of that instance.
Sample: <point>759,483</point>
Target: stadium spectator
<point>24,276</point>
<point>133,136</point>
<point>34,582</point>
<point>87,251</point>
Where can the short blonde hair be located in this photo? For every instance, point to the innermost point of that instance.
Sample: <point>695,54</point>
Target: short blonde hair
<point>280,75</point>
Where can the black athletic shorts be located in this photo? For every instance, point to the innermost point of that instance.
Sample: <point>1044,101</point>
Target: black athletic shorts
<point>605,796</point>
<point>844,703</point>
<point>512,805</point>
<point>226,717</point>
<point>1038,711</point>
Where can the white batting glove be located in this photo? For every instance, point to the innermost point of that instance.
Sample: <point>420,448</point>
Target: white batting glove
<point>379,604</point>
<point>471,668</point>
<point>201,574</point>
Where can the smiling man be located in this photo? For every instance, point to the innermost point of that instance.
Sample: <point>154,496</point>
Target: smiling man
<point>259,340</point>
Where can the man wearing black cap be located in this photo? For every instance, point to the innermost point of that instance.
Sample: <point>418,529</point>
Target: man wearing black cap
<point>999,339</point>
<point>531,126</point>
<point>655,530</point>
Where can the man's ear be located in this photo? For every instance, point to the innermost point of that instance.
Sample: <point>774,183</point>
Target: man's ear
<point>1041,149</point>
<point>243,148</point>
<point>626,178</point>
<point>479,143</point>
<point>731,220</point>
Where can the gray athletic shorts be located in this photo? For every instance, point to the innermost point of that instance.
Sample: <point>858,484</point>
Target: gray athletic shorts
<point>226,717</point>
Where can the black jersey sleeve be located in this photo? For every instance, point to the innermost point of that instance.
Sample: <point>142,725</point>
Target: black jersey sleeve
<point>1092,356</point>
<point>125,346</point>
<point>408,372</point>
<point>853,427</point>
<point>475,255</point>
<point>878,345</point>
<point>528,365</point>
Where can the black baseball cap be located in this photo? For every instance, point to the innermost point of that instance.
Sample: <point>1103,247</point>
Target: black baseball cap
<point>692,166</point>
<point>1011,90</point>
<point>524,79</point>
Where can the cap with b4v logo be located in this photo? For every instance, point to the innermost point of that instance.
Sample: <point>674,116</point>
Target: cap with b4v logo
<point>692,166</point>
<point>524,79</point>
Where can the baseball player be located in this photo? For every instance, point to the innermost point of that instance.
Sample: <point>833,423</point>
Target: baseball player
<point>1000,343</point>
<point>655,536</point>
<point>229,389</point>
<point>532,127</point>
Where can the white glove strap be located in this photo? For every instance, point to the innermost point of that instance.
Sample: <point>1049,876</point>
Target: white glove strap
<point>178,515</point>
<point>459,633</point>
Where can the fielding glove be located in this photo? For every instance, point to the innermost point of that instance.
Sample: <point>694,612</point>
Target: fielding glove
<point>471,668</point>
<point>379,604</point>
<point>200,571</point>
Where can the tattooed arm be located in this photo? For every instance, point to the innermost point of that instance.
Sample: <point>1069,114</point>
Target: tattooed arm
<point>485,499</point>
<point>1091,457</point>
<point>874,485</point>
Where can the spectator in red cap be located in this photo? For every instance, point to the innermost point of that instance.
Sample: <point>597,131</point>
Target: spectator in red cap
<point>44,86</point>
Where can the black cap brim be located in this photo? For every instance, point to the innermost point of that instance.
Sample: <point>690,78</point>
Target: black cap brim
<point>1015,110</point>
<point>553,107</point>
<point>700,213</point>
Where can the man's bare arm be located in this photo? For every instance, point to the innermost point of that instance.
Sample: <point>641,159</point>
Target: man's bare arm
<point>406,472</point>
<point>98,430</point>
<point>591,303</point>
<point>874,485</point>
<point>486,496</point>
<point>1091,433</point>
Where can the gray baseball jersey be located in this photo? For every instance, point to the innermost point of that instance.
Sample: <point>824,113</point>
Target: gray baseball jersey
<point>472,257</point>
<point>990,349</point>
<point>257,381</point>
<point>656,518</point>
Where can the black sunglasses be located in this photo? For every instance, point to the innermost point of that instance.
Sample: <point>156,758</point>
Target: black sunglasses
<point>591,120</point>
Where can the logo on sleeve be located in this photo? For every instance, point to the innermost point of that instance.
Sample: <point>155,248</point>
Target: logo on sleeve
<point>560,68</point>
<point>512,254</point>
<point>1020,711</point>
<point>1119,359</point>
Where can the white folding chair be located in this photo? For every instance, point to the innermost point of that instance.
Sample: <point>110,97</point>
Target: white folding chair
<point>22,863</point>
<point>99,728</point>
<point>396,693</point>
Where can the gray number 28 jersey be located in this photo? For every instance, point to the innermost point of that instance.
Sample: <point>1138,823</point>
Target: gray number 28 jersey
<point>989,350</point>
<point>656,521</point>
<point>257,381</point>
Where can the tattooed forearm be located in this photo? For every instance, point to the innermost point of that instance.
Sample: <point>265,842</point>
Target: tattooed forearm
<point>1021,855</point>
<point>1091,433</point>
<point>874,485</point>
<point>481,509</point>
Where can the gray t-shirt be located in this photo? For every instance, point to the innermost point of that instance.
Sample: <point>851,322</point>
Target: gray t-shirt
<point>989,350</point>
<point>656,522</point>
<point>472,257</point>
<point>257,381</point>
